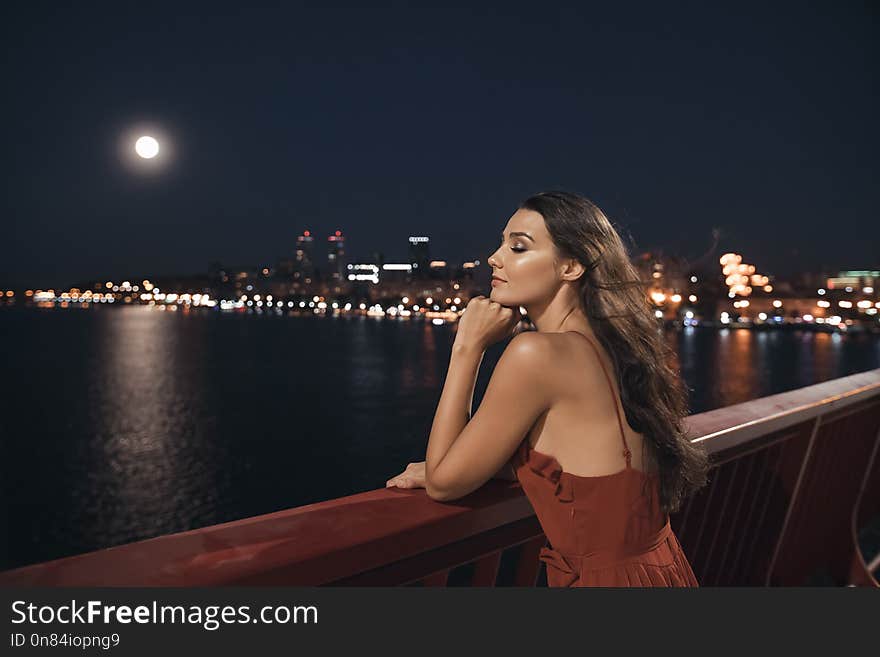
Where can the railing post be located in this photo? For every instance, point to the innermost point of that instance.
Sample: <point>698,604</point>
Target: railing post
<point>794,498</point>
<point>860,573</point>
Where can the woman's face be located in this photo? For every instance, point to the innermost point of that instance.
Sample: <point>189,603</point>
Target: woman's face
<point>525,262</point>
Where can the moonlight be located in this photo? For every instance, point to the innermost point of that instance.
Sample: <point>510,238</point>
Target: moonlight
<point>147,147</point>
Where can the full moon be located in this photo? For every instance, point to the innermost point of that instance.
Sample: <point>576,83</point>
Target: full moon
<point>147,147</point>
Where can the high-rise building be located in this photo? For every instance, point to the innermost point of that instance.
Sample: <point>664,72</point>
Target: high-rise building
<point>420,255</point>
<point>305,255</point>
<point>336,256</point>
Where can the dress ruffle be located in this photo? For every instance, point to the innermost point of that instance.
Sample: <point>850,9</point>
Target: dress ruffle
<point>548,467</point>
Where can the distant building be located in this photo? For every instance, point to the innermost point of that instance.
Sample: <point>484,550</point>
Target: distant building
<point>664,272</point>
<point>465,271</point>
<point>232,281</point>
<point>336,260</point>
<point>854,280</point>
<point>438,270</point>
<point>304,256</point>
<point>420,255</point>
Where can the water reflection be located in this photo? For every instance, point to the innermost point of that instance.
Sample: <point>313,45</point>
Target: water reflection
<point>429,357</point>
<point>151,452</point>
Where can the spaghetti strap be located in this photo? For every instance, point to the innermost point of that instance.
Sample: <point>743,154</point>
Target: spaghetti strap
<point>627,454</point>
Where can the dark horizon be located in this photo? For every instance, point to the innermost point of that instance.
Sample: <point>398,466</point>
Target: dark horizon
<point>392,122</point>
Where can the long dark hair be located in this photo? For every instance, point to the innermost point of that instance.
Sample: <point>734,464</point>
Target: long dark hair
<point>615,301</point>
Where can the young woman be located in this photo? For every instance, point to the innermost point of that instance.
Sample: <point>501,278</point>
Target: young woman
<point>584,411</point>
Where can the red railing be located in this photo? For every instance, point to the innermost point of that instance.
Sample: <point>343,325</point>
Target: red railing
<point>794,477</point>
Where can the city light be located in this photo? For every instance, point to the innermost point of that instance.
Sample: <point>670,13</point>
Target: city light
<point>356,288</point>
<point>740,276</point>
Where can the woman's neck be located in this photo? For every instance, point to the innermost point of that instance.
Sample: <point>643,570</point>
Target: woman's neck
<point>558,316</point>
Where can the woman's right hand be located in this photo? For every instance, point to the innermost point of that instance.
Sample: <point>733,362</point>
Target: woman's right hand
<point>412,477</point>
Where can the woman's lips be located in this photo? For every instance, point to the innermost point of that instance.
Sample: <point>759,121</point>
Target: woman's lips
<point>497,281</point>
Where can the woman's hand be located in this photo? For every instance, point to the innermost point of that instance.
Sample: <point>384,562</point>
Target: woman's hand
<point>412,477</point>
<point>485,322</point>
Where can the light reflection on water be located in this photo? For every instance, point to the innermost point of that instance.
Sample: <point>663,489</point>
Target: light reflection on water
<point>729,366</point>
<point>148,442</point>
<point>118,424</point>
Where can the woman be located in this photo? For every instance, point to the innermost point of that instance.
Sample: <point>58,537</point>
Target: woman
<point>584,411</point>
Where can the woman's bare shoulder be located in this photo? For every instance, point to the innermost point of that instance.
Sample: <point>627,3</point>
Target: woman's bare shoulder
<point>548,343</point>
<point>527,343</point>
<point>572,362</point>
<point>528,354</point>
<point>560,343</point>
<point>560,350</point>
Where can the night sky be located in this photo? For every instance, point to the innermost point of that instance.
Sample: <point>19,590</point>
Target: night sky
<point>386,123</point>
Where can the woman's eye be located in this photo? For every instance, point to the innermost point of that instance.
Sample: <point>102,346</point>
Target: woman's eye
<point>517,249</point>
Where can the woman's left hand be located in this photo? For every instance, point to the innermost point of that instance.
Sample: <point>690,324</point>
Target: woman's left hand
<point>412,477</point>
<point>485,322</point>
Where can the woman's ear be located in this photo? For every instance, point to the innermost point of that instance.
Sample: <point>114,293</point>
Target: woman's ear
<point>573,269</point>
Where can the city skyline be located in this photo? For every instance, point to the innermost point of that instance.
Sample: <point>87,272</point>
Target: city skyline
<point>323,259</point>
<point>404,121</point>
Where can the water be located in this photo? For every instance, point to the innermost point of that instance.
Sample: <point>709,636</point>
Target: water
<point>118,424</point>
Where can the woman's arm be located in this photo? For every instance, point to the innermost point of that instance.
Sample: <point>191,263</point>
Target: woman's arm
<point>463,454</point>
<point>507,472</point>
<point>454,409</point>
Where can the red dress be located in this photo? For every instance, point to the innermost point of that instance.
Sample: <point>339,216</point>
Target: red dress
<point>606,530</point>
